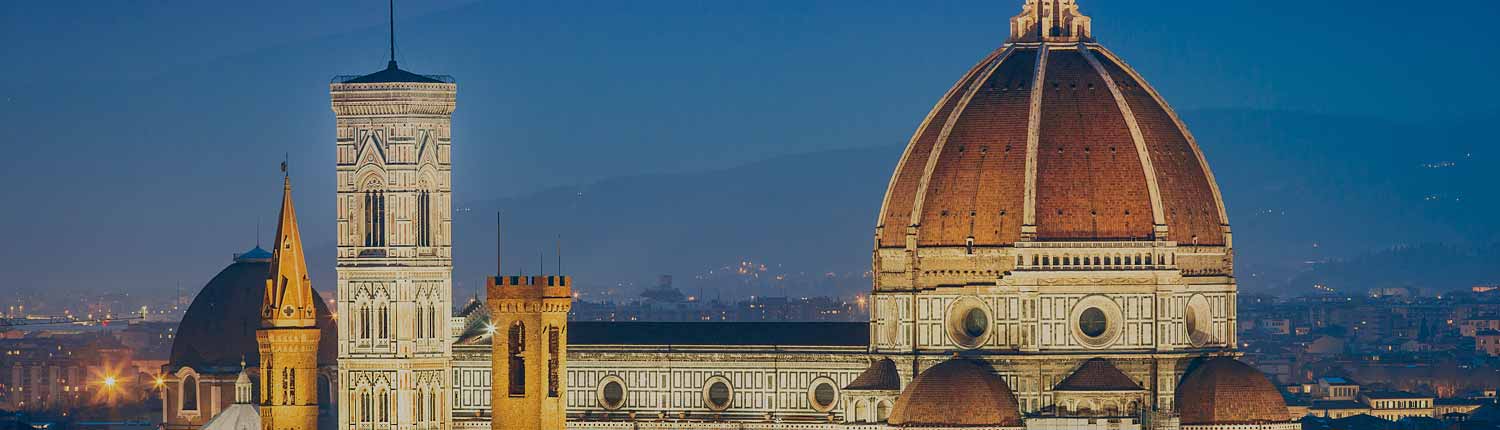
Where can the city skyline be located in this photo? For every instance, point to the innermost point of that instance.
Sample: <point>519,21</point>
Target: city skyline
<point>231,135</point>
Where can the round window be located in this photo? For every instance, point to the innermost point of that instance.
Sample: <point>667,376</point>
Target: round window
<point>1198,319</point>
<point>612,395</point>
<point>967,322</point>
<point>1092,322</point>
<point>824,395</point>
<point>975,323</point>
<point>717,394</point>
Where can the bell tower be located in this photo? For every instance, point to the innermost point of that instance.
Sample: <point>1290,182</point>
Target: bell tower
<point>395,259</point>
<point>530,351</point>
<point>288,334</point>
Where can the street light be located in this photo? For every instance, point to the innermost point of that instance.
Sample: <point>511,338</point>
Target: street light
<point>109,382</point>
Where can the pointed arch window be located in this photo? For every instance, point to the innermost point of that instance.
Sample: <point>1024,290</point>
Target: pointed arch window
<point>385,406</point>
<point>364,321</point>
<point>421,313</point>
<point>385,322</point>
<point>517,351</point>
<point>374,218</point>
<point>424,218</point>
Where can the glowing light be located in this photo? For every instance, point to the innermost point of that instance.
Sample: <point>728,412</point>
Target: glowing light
<point>159,381</point>
<point>489,329</point>
<point>109,382</point>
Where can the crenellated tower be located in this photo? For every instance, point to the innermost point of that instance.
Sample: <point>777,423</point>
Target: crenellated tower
<point>529,351</point>
<point>288,335</point>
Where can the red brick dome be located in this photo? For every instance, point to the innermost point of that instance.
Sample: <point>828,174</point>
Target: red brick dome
<point>957,393</point>
<point>1051,138</point>
<point>1223,390</point>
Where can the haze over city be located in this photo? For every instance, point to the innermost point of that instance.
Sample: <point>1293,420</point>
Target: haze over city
<point>780,215</point>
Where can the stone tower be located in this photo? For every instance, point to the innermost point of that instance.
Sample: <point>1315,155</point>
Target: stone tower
<point>530,351</point>
<point>288,335</point>
<point>395,258</point>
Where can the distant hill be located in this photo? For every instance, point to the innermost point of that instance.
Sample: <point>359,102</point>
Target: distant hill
<point>1301,189</point>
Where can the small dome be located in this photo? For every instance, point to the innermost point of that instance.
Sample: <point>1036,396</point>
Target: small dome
<point>1223,390</point>
<point>218,330</point>
<point>1097,374</point>
<point>954,393</point>
<point>881,375</point>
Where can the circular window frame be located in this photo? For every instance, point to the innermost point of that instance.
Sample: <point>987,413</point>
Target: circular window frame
<point>957,312</point>
<point>603,401</point>
<point>1114,321</point>
<point>708,400</point>
<point>1198,321</point>
<point>812,394</point>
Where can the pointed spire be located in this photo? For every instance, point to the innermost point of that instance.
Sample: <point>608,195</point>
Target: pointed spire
<point>288,301</point>
<point>392,64</point>
<point>1051,21</point>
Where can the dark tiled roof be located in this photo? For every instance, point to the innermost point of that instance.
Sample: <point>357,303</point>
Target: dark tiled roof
<point>393,74</point>
<point>719,333</point>
<point>219,327</point>
<point>881,375</point>
<point>1362,422</point>
<point>1097,374</point>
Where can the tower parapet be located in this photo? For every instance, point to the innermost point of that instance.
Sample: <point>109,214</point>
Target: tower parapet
<point>529,350</point>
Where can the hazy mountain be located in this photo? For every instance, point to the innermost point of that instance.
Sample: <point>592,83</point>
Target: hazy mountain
<point>1289,180</point>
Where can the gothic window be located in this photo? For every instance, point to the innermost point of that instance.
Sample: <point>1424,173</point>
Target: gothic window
<point>374,218</point>
<point>424,218</point>
<point>432,321</point>
<point>364,321</point>
<point>552,361</point>
<point>364,406</point>
<point>190,393</point>
<point>517,368</point>
<point>384,323</point>
<point>421,313</point>
<point>385,406</point>
<point>420,404</point>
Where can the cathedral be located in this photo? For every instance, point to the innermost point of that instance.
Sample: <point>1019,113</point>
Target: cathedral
<point>1052,252</point>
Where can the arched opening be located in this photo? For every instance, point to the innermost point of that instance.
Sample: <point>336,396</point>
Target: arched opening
<point>190,393</point>
<point>882,411</point>
<point>861,412</point>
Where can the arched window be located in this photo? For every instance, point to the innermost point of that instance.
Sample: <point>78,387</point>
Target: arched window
<point>364,321</point>
<point>432,320</point>
<point>421,310</point>
<point>384,322</point>
<point>385,406</point>
<point>364,407</point>
<point>190,393</point>
<point>553,352</point>
<point>374,218</point>
<point>517,351</point>
<point>424,218</point>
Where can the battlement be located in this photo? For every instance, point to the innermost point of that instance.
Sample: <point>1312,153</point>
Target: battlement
<point>515,287</point>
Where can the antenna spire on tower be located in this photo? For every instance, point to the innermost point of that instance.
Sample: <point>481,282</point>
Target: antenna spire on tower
<point>393,35</point>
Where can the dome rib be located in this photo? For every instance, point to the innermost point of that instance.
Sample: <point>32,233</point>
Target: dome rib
<point>1086,189</point>
<point>895,212</point>
<point>1174,127</point>
<point>936,155</point>
<point>1033,140</point>
<point>1158,220</point>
